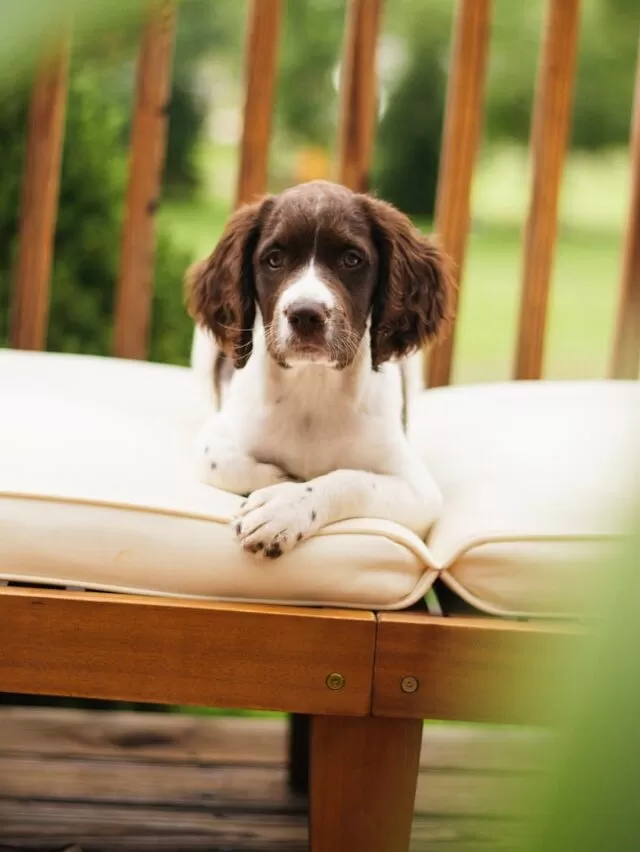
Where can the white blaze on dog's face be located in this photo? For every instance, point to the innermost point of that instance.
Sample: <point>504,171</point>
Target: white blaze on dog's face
<point>323,266</point>
<point>303,324</point>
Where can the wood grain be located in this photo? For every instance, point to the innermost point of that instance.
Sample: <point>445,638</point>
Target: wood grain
<point>39,204</point>
<point>168,738</point>
<point>469,669</point>
<point>182,652</point>
<point>150,738</point>
<point>43,827</point>
<point>364,774</point>
<point>549,136</point>
<point>261,57</point>
<point>359,95</point>
<point>251,788</point>
<point>121,780</point>
<point>626,347</point>
<point>177,738</point>
<point>134,294</point>
<point>460,143</point>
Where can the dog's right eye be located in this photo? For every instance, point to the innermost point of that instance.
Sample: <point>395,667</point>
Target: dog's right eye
<point>275,259</point>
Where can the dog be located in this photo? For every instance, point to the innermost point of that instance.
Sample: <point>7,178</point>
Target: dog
<point>304,312</point>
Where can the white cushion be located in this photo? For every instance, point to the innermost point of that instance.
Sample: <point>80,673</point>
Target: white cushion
<point>97,490</point>
<point>538,480</point>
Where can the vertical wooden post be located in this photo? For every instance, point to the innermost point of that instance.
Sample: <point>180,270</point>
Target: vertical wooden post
<point>460,143</point>
<point>261,56</point>
<point>153,88</point>
<point>358,93</point>
<point>550,132</point>
<point>39,206</point>
<point>364,773</point>
<point>626,347</point>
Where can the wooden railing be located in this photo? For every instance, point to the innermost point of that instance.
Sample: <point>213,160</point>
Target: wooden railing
<point>39,208</point>
<point>549,134</point>
<point>461,140</point>
<point>359,90</point>
<point>153,90</point>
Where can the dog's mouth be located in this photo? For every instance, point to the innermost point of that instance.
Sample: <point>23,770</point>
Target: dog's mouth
<point>335,345</point>
<point>305,352</point>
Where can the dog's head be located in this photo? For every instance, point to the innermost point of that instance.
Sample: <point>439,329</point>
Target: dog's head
<point>320,263</point>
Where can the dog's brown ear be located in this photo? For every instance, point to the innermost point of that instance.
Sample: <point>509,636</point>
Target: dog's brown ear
<point>221,289</point>
<point>413,298</point>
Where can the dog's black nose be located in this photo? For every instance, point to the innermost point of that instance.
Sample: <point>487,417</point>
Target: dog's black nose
<point>306,317</point>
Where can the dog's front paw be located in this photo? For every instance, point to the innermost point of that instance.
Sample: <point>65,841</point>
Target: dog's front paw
<point>273,520</point>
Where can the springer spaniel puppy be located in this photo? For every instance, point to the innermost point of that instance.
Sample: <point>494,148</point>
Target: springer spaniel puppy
<point>303,310</point>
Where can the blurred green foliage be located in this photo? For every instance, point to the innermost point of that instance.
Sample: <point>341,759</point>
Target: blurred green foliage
<point>307,106</point>
<point>408,142</point>
<point>89,227</point>
<point>203,29</point>
<point>589,802</point>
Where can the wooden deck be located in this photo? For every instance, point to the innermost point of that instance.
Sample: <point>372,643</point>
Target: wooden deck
<point>99,782</point>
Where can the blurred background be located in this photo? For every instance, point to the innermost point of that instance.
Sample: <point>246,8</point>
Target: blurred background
<point>205,125</point>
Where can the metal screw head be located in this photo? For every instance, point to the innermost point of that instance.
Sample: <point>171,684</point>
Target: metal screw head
<point>409,684</point>
<point>335,681</point>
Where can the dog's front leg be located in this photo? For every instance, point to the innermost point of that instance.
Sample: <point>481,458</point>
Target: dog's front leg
<point>224,464</point>
<point>275,519</point>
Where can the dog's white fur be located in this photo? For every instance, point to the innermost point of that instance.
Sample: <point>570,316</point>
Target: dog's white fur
<point>311,445</point>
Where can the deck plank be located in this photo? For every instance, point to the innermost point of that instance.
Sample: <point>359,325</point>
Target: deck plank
<point>109,782</point>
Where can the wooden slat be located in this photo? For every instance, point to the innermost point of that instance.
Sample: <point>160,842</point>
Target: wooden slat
<point>39,206</point>
<point>549,135</point>
<point>44,827</point>
<point>148,138</point>
<point>460,143</point>
<point>51,827</point>
<point>250,788</point>
<point>261,58</point>
<point>626,348</point>
<point>358,93</point>
<point>221,787</point>
<point>182,652</point>
<point>469,669</point>
<point>164,738</point>
<point>177,738</point>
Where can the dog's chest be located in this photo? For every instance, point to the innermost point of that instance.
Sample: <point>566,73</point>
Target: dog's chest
<point>310,429</point>
<point>306,439</point>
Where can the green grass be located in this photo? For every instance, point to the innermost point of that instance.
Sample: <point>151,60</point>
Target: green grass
<point>586,270</point>
<point>581,309</point>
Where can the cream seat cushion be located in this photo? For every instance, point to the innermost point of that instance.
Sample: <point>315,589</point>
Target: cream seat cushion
<point>97,490</point>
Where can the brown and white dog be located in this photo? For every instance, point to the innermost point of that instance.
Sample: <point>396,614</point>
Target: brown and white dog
<point>303,310</point>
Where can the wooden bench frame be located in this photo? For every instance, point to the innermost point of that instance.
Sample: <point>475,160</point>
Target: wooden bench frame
<point>366,680</point>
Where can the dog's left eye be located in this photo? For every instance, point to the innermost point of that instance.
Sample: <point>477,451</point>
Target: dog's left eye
<point>275,259</point>
<point>351,259</point>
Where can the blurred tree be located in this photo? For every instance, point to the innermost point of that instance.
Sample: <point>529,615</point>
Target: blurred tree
<point>307,105</point>
<point>204,28</point>
<point>89,228</point>
<point>604,92</point>
<point>407,153</point>
<point>408,145</point>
